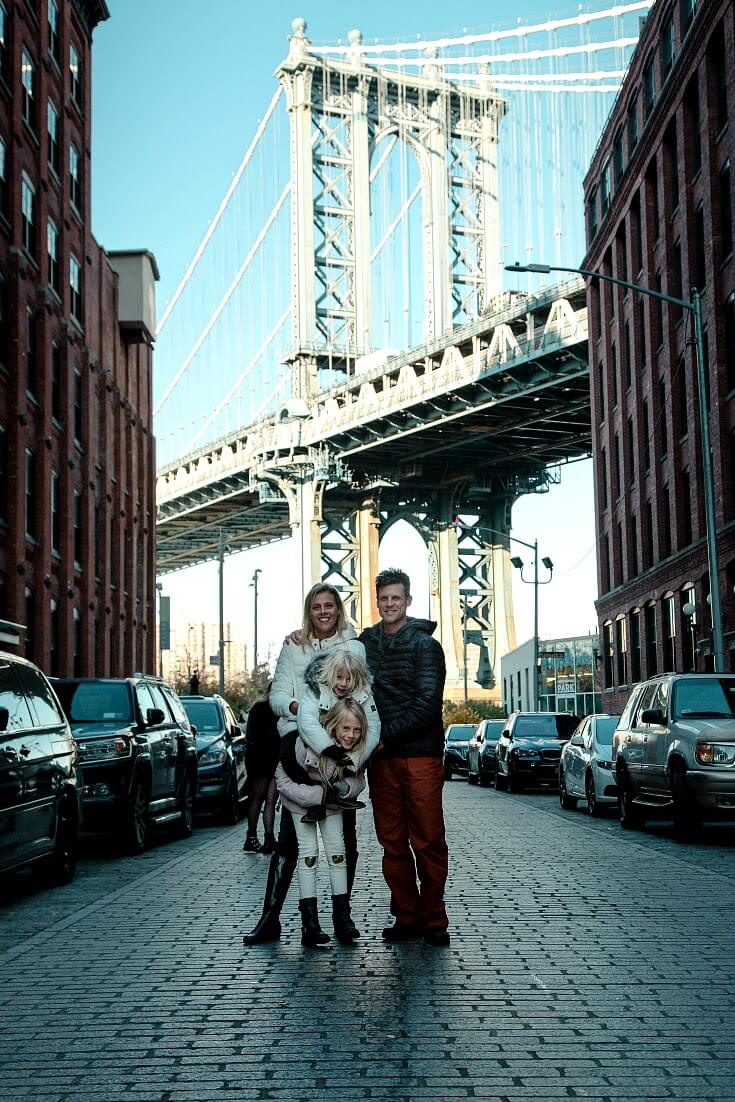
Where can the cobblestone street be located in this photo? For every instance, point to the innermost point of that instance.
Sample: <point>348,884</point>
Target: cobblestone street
<point>585,963</point>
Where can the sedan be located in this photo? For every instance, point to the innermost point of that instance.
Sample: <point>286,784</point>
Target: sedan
<point>586,766</point>
<point>530,747</point>
<point>221,755</point>
<point>481,751</point>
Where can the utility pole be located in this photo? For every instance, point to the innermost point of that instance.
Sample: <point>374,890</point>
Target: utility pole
<point>254,584</point>
<point>221,614</point>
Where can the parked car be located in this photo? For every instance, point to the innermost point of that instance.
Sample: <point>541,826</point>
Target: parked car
<point>40,809</point>
<point>529,748</point>
<point>586,767</point>
<point>137,752</point>
<point>481,751</point>
<point>456,740</point>
<point>222,779</point>
<point>674,751</point>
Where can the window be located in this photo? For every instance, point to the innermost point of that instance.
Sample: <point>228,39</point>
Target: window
<point>618,158</point>
<point>642,333</point>
<point>634,546</point>
<point>4,43</point>
<point>719,74</point>
<point>663,430</point>
<point>622,256</point>
<point>601,389</point>
<point>603,477</point>
<point>686,495</point>
<point>636,240</point>
<point>700,251</point>
<point>729,319</point>
<point>668,616</point>
<point>30,494</point>
<point>694,134</point>
<point>56,381</point>
<point>632,124</point>
<point>649,89</point>
<point>621,647</point>
<point>616,468</point>
<point>619,556</point>
<point>687,9</point>
<point>52,125</point>
<point>592,214</point>
<point>635,645</point>
<point>652,177</point>
<point>672,153</point>
<point>676,280</point>
<point>627,356</point>
<point>75,286</point>
<point>54,41</point>
<point>75,182</point>
<point>77,523</point>
<point>631,451</point>
<point>31,353</point>
<point>52,248</point>
<point>3,178</point>
<point>28,210</point>
<point>77,405</point>
<point>659,312</point>
<point>605,190</point>
<point>665,541</point>
<point>607,646</point>
<point>606,581</point>
<point>614,373</point>
<point>668,48</point>
<point>646,438</point>
<point>28,81</point>
<point>649,614</point>
<point>55,512</point>
<point>649,534</point>
<point>75,76</point>
<point>725,211</point>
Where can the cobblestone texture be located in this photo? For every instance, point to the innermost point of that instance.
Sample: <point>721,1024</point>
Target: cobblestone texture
<point>585,963</point>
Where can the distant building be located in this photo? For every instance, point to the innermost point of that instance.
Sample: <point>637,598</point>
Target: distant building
<point>659,200</point>
<point>77,456</point>
<point>567,675</point>
<point>193,645</point>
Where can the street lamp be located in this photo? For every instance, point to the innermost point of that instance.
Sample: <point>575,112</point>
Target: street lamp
<point>695,307</point>
<point>222,548</point>
<point>254,584</point>
<point>518,563</point>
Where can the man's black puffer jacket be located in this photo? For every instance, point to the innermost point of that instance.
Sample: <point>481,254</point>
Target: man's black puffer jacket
<point>408,672</point>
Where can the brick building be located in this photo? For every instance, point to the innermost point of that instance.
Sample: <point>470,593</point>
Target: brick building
<point>659,202</point>
<point>77,456</point>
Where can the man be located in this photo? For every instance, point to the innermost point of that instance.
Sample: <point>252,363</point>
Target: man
<point>407,772</point>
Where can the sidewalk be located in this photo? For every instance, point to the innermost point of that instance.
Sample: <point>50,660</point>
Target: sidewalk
<point>586,963</point>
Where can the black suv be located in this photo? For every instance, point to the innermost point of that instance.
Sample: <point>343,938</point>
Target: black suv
<point>530,746</point>
<point>137,753</point>
<point>222,783</point>
<point>39,791</point>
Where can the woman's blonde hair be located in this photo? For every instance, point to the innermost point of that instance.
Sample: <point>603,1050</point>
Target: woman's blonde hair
<point>307,628</point>
<point>356,668</point>
<point>347,706</point>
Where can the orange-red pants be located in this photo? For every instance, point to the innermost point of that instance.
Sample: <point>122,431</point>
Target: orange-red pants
<point>406,795</point>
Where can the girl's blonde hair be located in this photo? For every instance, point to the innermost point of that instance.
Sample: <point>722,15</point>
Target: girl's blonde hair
<point>307,628</point>
<point>347,706</point>
<point>356,668</point>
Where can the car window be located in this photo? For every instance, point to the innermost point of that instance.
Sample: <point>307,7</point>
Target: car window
<point>704,697</point>
<point>630,707</point>
<point>145,700</point>
<point>95,701</point>
<point>11,697</point>
<point>661,697</point>
<point>587,734</point>
<point>159,701</point>
<point>204,714</point>
<point>460,732</point>
<point>605,728</point>
<point>546,725</point>
<point>176,706</point>
<point>645,700</point>
<point>41,697</point>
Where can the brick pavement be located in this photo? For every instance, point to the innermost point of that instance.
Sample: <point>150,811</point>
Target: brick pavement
<point>585,963</point>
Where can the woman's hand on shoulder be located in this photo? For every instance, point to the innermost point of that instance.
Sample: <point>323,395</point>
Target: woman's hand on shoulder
<point>294,637</point>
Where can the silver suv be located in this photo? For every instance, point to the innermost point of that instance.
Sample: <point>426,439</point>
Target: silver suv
<point>674,751</point>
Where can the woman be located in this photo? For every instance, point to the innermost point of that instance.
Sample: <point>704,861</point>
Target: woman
<point>261,759</point>
<point>324,626</point>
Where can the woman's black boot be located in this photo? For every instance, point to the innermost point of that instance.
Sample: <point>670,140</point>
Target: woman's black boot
<point>312,934</point>
<point>280,874</point>
<point>344,928</point>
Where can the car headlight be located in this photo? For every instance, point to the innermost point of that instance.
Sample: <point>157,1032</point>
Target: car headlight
<point>605,764</point>
<point>519,752</point>
<point>715,753</point>
<point>213,757</point>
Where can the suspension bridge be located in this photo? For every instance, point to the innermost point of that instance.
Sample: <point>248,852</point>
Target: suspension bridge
<point>343,351</point>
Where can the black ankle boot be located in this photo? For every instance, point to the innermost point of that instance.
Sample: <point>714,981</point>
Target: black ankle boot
<point>312,934</point>
<point>344,928</point>
<point>269,843</point>
<point>268,928</point>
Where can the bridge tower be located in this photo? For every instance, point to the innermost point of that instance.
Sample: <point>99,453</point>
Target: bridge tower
<point>339,111</point>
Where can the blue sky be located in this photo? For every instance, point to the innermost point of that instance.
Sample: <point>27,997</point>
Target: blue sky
<point>179,88</point>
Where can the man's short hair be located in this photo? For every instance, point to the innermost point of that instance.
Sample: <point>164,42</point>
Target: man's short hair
<point>393,576</point>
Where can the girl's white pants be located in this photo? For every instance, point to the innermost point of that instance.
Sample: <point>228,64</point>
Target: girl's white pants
<point>334,848</point>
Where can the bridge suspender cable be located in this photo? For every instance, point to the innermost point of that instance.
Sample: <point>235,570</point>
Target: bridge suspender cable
<point>491,36</point>
<point>227,296</point>
<point>222,207</point>
<point>524,55</point>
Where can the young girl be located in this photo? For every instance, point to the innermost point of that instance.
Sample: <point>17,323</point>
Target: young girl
<point>328,678</point>
<point>327,785</point>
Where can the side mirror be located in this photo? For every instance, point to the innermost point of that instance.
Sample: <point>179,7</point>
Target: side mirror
<point>235,731</point>
<point>508,735</point>
<point>154,716</point>
<point>577,740</point>
<point>654,716</point>
<point>194,729</point>
<point>4,719</point>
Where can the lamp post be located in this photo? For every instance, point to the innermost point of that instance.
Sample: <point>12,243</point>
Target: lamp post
<point>464,642</point>
<point>519,564</point>
<point>254,584</point>
<point>159,590</point>
<point>221,557</point>
<point>694,306</point>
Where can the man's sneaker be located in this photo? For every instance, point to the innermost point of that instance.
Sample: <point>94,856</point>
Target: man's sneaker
<point>402,931</point>
<point>436,936</point>
<point>252,845</point>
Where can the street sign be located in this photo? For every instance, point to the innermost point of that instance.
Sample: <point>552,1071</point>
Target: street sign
<point>164,623</point>
<point>566,686</point>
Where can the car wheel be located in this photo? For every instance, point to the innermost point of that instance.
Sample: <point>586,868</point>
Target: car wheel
<point>135,826</point>
<point>60,866</point>
<point>514,782</point>
<point>629,815</point>
<point>472,778</point>
<point>185,821</point>
<point>230,810</point>
<point>482,776</point>
<point>501,781</point>
<point>593,807</point>
<point>687,821</point>
<point>567,802</point>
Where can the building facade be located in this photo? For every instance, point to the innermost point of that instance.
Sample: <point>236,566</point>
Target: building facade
<point>77,457</point>
<point>568,676</point>
<point>659,200</point>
